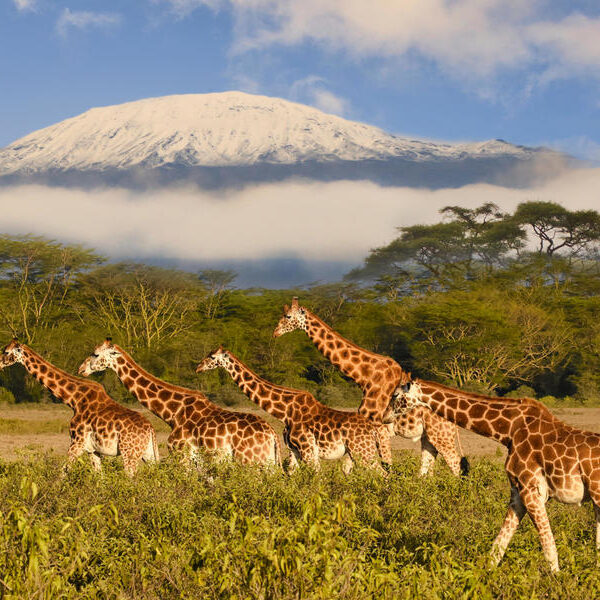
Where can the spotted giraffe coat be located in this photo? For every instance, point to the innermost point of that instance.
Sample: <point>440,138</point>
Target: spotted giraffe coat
<point>312,430</point>
<point>100,426</point>
<point>195,421</point>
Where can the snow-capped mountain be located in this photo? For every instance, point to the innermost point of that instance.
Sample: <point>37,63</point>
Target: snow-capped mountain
<point>218,139</point>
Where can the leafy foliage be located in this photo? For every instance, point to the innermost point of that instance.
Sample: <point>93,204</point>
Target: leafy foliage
<point>483,299</point>
<point>255,533</point>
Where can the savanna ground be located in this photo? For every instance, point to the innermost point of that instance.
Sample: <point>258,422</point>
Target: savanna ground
<point>234,532</point>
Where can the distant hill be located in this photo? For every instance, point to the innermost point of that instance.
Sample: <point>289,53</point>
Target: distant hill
<point>232,139</point>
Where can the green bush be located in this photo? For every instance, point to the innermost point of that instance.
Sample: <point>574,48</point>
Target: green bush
<point>6,396</point>
<point>523,391</point>
<point>247,532</point>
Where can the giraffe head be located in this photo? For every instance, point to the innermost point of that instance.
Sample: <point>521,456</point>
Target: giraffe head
<point>215,359</point>
<point>405,398</point>
<point>12,353</point>
<point>104,357</point>
<point>294,317</point>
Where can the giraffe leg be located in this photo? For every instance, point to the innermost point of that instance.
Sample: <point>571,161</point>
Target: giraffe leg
<point>534,498</point>
<point>441,434</point>
<point>306,446</point>
<point>76,449</point>
<point>597,515</point>
<point>130,462</point>
<point>515,514</point>
<point>96,462</point>
<point>178,443</point>
<point>132,449</point>
<point>294,456</point>
<point>151,454</point>
<point>293,461</point>
<point>310,456</point>
<point>384,443</point>
<point>428,455</point>
<point>347,464</point>
<point>366,447</point>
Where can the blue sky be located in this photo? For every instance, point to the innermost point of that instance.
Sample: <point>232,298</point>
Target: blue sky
<point>527,71</point>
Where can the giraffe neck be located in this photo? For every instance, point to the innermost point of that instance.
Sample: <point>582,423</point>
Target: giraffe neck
<point>362,366</point>
<point>158,396</point>
<point>264,393</point>
<point>54,379</point>
<point>487,416</point>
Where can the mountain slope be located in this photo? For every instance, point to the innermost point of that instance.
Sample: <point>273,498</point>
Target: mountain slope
<point>226,137</point>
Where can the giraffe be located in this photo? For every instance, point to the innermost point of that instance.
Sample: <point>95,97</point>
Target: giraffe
<point>311,430</point>
<point>546,457</point>
<point>99,426</point>
<point>378,376</point>
<point>195,421</point>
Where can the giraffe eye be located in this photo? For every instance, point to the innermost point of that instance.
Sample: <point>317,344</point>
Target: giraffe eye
<point>95,355</point>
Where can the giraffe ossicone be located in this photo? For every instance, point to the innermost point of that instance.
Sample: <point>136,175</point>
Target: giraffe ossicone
<point>546,457</point>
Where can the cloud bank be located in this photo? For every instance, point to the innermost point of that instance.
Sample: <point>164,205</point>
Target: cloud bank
<point>312,222</point>
<point>478,37</point>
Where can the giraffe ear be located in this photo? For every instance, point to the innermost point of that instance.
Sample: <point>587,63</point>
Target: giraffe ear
<point>285,308</point>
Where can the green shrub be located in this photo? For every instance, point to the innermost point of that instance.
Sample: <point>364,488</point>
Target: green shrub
<point>6,396</point>
<point>247,532</point>
<point>523,391</point>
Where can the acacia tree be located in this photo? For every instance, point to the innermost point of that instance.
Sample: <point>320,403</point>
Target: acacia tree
<point>37,275</point>
<point>485,339</point>
<point>555,228</point>
<point>471,242</point>
<point>217,285</point>
<point>144,304</point>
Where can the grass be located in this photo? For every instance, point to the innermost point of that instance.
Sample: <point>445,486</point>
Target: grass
<point>20,426</point>
<point>243,532</point>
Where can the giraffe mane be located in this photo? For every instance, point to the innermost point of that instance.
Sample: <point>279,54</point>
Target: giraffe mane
<point>84,380</point>
<point>270,384</point>
<point>477,396</point>
<point>155,379</point>
<point>349,342</point>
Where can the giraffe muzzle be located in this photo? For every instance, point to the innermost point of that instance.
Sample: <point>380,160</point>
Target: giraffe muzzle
<point>84,368</point>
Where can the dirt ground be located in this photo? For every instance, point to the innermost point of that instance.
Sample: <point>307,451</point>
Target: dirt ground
<point>25,429</point>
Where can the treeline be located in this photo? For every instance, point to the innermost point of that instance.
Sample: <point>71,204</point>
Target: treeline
<point>484,300</point>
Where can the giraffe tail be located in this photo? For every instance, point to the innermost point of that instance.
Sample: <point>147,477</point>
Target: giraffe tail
<point>465,467</point>
<point>155,446</point>
<point>278,458</point>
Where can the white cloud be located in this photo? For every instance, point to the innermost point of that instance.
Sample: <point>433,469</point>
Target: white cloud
<point>81,19</point>
<point>472,39</point>
<point>574,40</point>
<point>337,221</point>
<point>330,103</point>
<point>312,90</point>
<point>25,5</point>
